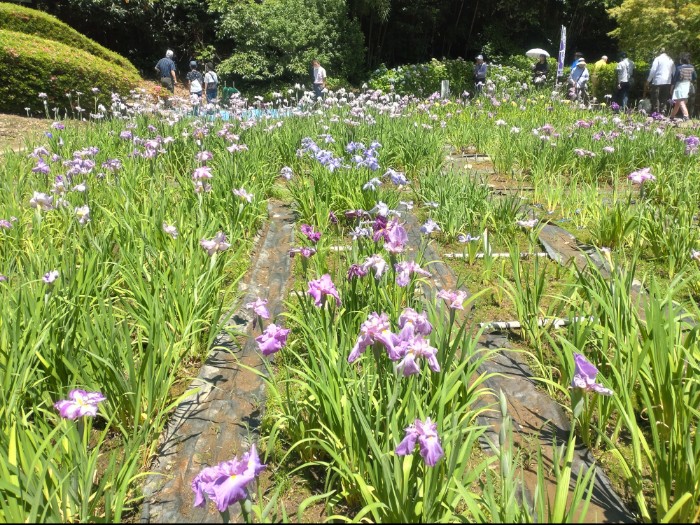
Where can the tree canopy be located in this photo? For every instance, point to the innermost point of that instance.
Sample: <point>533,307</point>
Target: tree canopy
<point>264,41</point>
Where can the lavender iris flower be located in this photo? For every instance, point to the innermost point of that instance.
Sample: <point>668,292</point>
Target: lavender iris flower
<point>641,176</point>
<point>41,201</point>
<point>453,299</point>
<point>243,194</point>
<point>304,251</point>
<point>202,173</point>
<point>286,172</point>
<point>355,271</point>
<point>272,339</point>
<point>584,376</point>
<point>377,263</point>
<point>170,230</point>
<point>375,328</point>
<point>259,306</point>
<point>416,323</point>
<point>425,434</point>
<point>319,289</point>
<point>414,348</point>
<point>217,244</point>
<point>79,403</point>
<point>396,237</point>
<point>405,269</point>
<point>50,277</point>
<point>227,482</point>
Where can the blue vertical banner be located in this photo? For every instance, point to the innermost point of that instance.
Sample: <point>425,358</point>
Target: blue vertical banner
<point>562,51</point>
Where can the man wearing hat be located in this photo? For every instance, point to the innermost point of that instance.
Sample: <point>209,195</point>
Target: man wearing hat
<point>166,70</point>
<point>579,80</point>
<point>195,81</point>
<point>480,69</point>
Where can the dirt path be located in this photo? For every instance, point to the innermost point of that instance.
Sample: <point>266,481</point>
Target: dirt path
<point>15,130</point>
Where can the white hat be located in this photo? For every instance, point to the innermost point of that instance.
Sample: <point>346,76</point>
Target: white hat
<point>480,57</point>
<point>169,53</point>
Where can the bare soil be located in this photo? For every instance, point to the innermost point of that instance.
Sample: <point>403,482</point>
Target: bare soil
<point>15,130</point>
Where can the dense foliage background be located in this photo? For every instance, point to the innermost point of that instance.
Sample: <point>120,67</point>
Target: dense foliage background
<point>268,41</point>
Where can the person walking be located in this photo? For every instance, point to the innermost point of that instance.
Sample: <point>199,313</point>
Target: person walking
<point>480,70</point>
<point>540,70</point>
<point>624,70</point>
<point>166,69</point>
<point>595,76</point>
<point>318,76</point>
<point>211,82</point>
<point>195,81</point>
<point>684,75</point>
<point>577,56</point>
<point>578,80</point>
<point>660,78</point>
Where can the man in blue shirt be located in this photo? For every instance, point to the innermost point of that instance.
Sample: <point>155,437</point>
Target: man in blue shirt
<point>166,69</point>
<point>480,69</point>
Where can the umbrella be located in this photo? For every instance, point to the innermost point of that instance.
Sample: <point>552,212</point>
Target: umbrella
<point>535,53</point>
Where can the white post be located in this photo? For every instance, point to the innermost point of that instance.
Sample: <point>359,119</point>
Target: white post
<point>444,89</point>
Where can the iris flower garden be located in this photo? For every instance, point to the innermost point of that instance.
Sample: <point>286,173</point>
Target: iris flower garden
<point>126,244</point>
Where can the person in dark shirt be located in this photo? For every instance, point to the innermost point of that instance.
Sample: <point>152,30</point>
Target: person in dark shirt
<point>540,70</point>
<point>166,69</point>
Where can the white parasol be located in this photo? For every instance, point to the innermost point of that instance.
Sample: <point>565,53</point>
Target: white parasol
<point>535,53</point>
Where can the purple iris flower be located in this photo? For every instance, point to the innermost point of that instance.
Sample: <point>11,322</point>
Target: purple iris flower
<point>305,252</point>
<point>226,483</point>
<point>375,329</point>
<point>641,176</point>
<point>79,403</point>
<point>272,339</point>
<point>416,323</point>
<point>204,156</point>
<point>332,217</point>
<point>396,237</point>
<point>355,271</point>
<point>5,224</point>
<point>217,244</point>
<point>259,306</point>
<point>320,288</point>
<point>312,235</point>
<point>170,229</point>
<point>691,145</point>
<point>453,299</point>
<point>41,167</point>
<point>405,269</point>
<point>425,434</point>
<point>287,172</point>
<point>584,376</point>
<point>356,214</point>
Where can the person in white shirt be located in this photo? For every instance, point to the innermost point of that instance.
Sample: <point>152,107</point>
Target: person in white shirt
<point>625,70</point>
<point>660,77</point>
<point>318,75</point>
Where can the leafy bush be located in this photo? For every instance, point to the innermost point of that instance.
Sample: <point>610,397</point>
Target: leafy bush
<point>604,80</point>
<point>33,22</point>
<point>31,65</point>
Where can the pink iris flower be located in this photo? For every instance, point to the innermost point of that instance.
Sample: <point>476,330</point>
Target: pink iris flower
<point>259,306</point>
<point>227,482</point>
<point>79,403</point>
<point>272,339</point>
<point>217,244</point>
<point>454,299</point>
<point>405,269</point>
<point>320,288</point>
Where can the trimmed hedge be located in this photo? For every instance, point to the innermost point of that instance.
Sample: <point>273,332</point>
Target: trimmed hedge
<point>32,22</point>
<point>30,65</point>
<point>604,80</point>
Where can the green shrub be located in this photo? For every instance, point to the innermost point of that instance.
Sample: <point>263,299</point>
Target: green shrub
<point>30,65</point>
<point>32,22</point>
<point>604,80</point>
